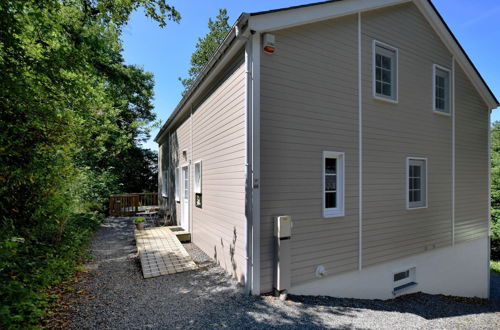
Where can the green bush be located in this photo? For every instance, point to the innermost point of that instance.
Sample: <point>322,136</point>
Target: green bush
<point>139,220</point>
<point>495,266</point>
<point>28,267</point>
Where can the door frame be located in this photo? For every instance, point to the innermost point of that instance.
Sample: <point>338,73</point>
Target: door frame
<point>183,192</point>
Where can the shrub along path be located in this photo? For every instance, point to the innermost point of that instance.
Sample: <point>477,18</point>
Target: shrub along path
<point>114,295</point>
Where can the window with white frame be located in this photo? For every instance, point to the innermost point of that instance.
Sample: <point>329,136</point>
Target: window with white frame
<point>197,177</point>
<point>164,162</point>
<point>417,183</point>
<point>177,185</point>
<point>385,71</point>
<point>442,99</point>
<point>333,184</point>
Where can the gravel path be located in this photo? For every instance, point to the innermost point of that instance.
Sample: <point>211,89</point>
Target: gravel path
<point>113,295</point>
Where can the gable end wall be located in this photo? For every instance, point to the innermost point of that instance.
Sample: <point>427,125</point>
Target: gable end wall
<point>309,103</point>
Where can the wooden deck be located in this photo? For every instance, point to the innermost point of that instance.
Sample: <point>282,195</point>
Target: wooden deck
<point>162,253</point>
<point>124,205</point>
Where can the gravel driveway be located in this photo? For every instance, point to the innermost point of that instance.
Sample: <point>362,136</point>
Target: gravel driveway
<point>113,295</point>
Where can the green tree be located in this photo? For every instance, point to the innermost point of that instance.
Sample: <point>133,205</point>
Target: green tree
<point>72,115</point>
<point>495,180</point>
<point>206,47</point>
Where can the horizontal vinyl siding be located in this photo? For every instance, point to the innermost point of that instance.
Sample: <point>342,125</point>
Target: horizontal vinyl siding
<point>393,132</point>
<point>219,142</point>
<point>309,105</point>
<point>215,134</point>
<point>180,140</point>
<point>471,127</point>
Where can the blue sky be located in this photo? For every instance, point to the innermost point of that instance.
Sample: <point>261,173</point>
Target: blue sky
<point>166,52</point>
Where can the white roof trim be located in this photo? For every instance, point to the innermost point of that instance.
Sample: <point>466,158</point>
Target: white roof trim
<point>308,14</point>
<point>275,20</point>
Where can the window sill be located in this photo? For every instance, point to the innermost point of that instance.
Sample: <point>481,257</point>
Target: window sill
<point>416,208</point>
<point>385,99</point>
<point>333,214</point>
<point>446,114</point>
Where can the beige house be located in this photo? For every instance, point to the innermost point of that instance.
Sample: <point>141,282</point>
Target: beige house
<point>366,124</point>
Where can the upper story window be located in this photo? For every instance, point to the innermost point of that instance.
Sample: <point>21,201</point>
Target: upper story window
<point>333,184</point>
<point>385,72</point>
<point>197,177</point>
<point>197,184</point>
<point>442,99</point>
<point>163,157</point>
<point>417,183</point>
<point>177,184</point>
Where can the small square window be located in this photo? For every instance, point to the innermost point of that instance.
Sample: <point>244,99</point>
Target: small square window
<point>442,90</point>
<point>385,66</point>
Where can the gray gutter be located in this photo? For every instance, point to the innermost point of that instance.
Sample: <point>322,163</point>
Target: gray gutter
<point>240,23</point>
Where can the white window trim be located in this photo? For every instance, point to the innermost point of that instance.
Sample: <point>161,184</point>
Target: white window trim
<point>408,207</point>
<point>436,111</point>
<point>339,210</point>
<point>197,190</point>
<point>164,172</point>
<point>374,87</point>
<point>164,183</point>
<point>177,184</point>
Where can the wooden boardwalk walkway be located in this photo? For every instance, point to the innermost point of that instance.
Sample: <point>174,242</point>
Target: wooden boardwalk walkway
<point>161,253</point>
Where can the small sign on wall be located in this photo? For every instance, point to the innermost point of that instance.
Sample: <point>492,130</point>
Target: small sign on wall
<point>197,200</point>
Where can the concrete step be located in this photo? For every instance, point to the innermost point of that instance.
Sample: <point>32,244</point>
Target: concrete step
<point>182,235</point>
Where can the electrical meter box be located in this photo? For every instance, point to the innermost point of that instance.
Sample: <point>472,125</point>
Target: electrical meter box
<point>282,252</point>
<point>283,226</point>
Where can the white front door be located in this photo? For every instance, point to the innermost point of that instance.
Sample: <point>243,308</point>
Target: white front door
<point>185,198</point>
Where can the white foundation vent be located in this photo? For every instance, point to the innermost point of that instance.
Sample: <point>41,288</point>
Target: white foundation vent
<point>404,279</point>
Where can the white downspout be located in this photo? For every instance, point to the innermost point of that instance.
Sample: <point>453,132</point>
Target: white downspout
<point>191,174</point>
<point>248,167</point>
<point>453,154</point>
<point>360,148</point>
<point>256,51</point>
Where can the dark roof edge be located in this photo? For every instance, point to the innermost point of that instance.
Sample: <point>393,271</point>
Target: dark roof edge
<point>218,54</point>
<point>292,7</point>
<point>464,52</point>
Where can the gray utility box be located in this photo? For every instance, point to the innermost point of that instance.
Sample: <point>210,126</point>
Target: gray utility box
<point>282,248</point>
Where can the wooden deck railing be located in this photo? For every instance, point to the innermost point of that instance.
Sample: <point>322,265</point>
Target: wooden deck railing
<point>130,204</point>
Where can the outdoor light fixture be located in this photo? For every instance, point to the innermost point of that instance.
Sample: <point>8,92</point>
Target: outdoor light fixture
<point>269,43</point>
